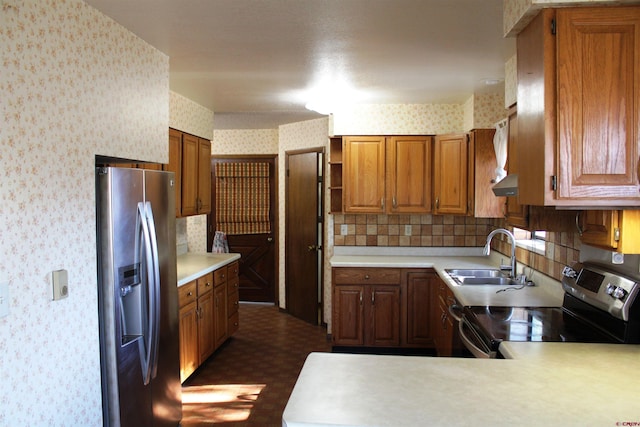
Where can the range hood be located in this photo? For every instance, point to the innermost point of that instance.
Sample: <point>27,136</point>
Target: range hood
<point>507,187</point>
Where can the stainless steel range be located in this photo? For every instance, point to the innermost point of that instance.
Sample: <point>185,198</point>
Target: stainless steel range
<point>599,306</point>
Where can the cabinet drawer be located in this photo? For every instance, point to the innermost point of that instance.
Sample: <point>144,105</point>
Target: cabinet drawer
<point>205,283</point>
<point>220,276</point>
<point>187,293</point>
<point>233,270</point>
<point>232,303</point>
<point>234,323</point>
<point>364,276</point>
<point>233,285</point>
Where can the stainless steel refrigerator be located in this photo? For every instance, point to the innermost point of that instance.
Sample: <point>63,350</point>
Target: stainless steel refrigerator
<point>138,297</point>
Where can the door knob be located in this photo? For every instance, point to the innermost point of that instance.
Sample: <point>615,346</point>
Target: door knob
<point>269,239</point>
<point>312,248</point>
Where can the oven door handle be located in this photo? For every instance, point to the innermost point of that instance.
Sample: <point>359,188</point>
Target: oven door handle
<point>475,350</point>
<point>456,312</point>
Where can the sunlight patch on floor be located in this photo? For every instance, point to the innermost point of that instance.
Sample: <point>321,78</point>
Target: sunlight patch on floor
<point>221,403</point>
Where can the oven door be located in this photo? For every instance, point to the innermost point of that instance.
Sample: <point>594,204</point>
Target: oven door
<point>474,340</point>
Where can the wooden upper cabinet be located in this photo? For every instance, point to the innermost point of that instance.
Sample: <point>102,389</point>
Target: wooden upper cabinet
<point>614,230</point>
<point>409,174</point>
<point>517,213</point>
<point>204,176</point>
<point>196,175</point>
<point>387,174</point>
<point>189,174</point>
<point>482,202</point>
<point>578,116</point>
<point>450,174</point>
<point>364,174</point>
<point>175,165</point>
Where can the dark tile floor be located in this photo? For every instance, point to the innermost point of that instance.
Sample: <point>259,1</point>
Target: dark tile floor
<point>247,382</point>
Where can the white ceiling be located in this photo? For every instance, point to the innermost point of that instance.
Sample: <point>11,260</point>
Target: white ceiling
<point>256,62</point>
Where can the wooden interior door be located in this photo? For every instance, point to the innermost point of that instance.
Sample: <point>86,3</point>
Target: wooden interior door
<point>258,266</point>
<point>303,234</point>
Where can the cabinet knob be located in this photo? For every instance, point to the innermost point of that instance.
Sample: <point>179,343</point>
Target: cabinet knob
<point>366,276</point>
<point>190,294</point>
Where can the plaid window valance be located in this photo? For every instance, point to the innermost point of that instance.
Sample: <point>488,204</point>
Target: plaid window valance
<point>242,198</point>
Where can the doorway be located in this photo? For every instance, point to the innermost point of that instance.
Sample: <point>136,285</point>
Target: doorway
<point>304,233</point>
<point>243,194</point>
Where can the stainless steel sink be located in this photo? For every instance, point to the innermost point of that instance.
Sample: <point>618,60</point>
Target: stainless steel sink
<point>478,272</point>
<point>482,276</point>
<point>500,281</point>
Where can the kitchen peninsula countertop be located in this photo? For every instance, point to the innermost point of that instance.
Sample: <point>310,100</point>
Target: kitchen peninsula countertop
<point>550,384</point>
<point>190,266</point>
<point>546,293</point>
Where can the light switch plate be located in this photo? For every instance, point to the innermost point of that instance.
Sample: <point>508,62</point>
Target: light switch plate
<point>344,230</point>
<point>60,280</point>
<point>407,230</point>
<point>4,299</point>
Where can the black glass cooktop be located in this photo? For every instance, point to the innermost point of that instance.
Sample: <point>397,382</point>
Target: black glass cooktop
<point>550,324</point>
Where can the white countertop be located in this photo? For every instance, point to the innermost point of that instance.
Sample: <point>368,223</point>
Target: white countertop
<point>546,293</point>
<point>190,266</point>
<point>554,384</point>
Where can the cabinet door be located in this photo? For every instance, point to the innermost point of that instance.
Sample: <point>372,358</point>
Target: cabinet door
<point>598,90</point>
<point>450,174</point>
<point>517,214</point>
<point>204,177</point>
<point>348,315</point>
<point>206,337</point>
<point>175,165</point>
<point>599,228</point>
<point>408,174</point>
<point>220,313</point>
<point>382,314</point>
<point>189,174</point>
<point>364,174</point>
<point>482,202</point>
<point>419,308</point>
<point>188,325</point>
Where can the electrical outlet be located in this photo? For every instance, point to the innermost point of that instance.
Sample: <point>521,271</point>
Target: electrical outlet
<point>407,230</point>
<point>60,280</point>
<point>344,230</point>
<point>617,258</point>
<point>4,299</point>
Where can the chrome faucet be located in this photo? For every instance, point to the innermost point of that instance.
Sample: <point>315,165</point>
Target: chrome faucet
<point>487,248</point>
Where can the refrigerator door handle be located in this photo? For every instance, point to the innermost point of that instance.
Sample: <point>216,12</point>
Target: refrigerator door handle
<point>155,294</point>
<point>148,331</point>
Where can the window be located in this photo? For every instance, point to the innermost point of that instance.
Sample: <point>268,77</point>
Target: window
<point>533,241</point>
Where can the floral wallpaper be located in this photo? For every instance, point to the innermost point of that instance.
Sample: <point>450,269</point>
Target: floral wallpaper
<point>487,110</point>
<point>398,119</point>
<point>189,117</point>
<point>73,84</point>
<point>241,141</point>
<point>511,81</point>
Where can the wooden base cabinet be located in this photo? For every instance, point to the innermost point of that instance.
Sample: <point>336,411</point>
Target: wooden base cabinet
<point>188,326</point>
<point>444,326</point>
<point>205,319</point>
<point>382,307</point>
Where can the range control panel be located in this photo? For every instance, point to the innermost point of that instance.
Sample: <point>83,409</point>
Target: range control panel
<point>601,288</point>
